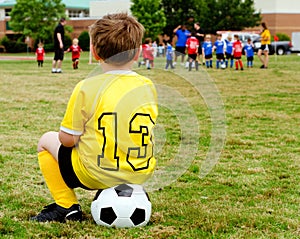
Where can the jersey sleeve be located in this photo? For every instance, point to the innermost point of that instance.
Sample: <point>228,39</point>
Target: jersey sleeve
<point>187,42</point>
<point>74,118</point>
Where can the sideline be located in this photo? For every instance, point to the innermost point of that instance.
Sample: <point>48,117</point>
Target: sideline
<point>16,58</point>
<point>20,58</point>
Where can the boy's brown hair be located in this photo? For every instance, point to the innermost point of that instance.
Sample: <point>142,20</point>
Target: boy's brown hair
<point>116,38</point>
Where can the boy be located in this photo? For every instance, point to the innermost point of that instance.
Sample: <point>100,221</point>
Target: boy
<point>40,54</point>
<point>207,51</point>
<point>219,47</point>
<point>228,51</point>
<point>105,137</point>
<point>169,56</point>
<point>249,52</point>
<point>192,45</point>
<point>237,52</point>
<point>75,49</point>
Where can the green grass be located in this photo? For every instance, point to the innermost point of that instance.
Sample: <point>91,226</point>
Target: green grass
<point>252,192</point>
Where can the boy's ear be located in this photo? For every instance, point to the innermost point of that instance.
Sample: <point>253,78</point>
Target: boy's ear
<point>97,58</point>
<point>138,53</point>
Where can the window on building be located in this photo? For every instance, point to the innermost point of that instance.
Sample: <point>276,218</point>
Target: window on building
<point>78,13</point>
<point>7,12</point>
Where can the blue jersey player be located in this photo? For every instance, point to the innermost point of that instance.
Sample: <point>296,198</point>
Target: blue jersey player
<point>169,56</point>
<point>249,52</point>
<point>228,51</point>
<point>219,46</point>
<point>207,50</point>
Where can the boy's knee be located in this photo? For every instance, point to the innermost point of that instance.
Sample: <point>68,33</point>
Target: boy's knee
<point>45,139</point>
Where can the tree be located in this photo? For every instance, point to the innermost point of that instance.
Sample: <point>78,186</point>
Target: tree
<point>179,12</point>
<point>151,15</point>
<point>36,18</point>
<point>84,41</point>
<point>213,15</point>
<point>234,15</point>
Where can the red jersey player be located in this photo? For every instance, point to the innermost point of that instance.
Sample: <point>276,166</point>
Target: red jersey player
<point>192,45</point>
<point>148,53</point>
<point>237,52</point>
<point>75,49</point>
<point>40,54</point>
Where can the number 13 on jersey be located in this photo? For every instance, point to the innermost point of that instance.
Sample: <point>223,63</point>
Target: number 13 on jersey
<point>132,146</point>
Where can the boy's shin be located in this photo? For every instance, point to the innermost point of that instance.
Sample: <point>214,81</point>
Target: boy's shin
<point>61,193</point>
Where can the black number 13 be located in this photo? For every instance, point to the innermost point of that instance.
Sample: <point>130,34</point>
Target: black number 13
<point>111,141</point>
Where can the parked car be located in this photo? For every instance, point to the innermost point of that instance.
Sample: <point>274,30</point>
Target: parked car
<point>243,36</point>
<point>280,47</point>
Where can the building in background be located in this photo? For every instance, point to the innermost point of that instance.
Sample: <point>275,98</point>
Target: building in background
<point>281,16</point>
<point>81,13</point>
<point>102,7</point>
<point>78,12</point>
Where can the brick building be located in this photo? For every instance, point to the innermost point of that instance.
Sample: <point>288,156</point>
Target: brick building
<point>78,12</point>
<point>281,16</point>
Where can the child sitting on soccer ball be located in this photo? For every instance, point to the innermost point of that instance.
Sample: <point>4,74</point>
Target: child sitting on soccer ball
<point>105,137</point>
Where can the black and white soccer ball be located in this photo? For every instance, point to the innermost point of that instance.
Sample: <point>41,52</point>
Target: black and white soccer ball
<point>125,205</point>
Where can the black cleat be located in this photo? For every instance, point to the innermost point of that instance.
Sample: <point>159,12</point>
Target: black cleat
<point>56,213</point>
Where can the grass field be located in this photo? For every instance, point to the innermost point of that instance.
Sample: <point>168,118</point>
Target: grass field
<point>252,192</point>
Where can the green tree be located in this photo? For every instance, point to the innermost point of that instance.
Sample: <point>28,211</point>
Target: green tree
<point>179,12</point>
<point>151,15</point>
<point>36,18</point>
<point>233,15</point>
<point>213,15</point>
<point>84,41</point>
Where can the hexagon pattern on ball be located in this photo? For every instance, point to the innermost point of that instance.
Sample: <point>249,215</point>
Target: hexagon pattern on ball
<point>125,205</point>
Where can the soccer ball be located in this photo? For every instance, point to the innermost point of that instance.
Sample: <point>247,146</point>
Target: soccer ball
<point>125,205</point>
<point>223,66</point>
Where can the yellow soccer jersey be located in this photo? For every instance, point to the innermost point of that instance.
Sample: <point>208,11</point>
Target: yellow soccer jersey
<point>266,37</point>
<point>114,114</point>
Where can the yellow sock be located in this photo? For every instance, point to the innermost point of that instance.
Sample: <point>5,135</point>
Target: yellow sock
<point>61,193</point>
